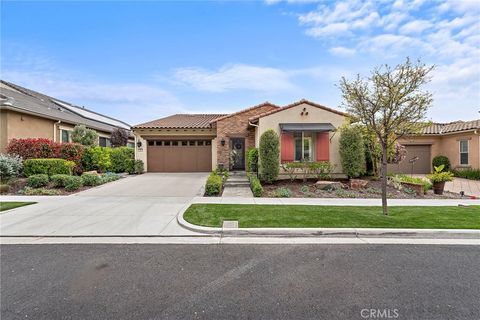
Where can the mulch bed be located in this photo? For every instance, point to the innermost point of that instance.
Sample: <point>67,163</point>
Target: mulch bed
<point>300,189</point>
<point>20,183</point>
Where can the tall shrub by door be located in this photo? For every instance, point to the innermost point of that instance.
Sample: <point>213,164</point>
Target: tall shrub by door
<point>269,155</point>
<point>352,151</point>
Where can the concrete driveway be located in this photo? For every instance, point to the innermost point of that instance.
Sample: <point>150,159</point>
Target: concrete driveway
<point>140,205</point>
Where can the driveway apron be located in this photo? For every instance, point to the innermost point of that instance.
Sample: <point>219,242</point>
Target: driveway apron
<point>144,205</point>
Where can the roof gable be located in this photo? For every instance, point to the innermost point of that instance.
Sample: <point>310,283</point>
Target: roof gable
<point>295,104</point>
<point>266,103</point>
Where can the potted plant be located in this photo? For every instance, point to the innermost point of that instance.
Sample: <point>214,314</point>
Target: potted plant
<point>438,179</point>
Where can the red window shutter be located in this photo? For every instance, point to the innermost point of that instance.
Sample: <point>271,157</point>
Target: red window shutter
<point>323,146</point>
<point>286,146</point>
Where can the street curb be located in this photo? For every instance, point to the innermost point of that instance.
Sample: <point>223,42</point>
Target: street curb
<point>330,232</point>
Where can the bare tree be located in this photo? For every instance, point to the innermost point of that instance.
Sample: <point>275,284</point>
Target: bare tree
<point>390,103</point>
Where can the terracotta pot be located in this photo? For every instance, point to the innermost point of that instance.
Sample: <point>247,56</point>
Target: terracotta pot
<point>438,187</point>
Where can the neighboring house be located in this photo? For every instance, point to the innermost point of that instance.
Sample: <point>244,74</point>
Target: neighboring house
<point>459,141</point>
<point>28,114</point>
<point>202,142</point>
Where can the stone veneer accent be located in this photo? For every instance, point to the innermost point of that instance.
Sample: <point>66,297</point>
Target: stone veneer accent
<point>236,126</point>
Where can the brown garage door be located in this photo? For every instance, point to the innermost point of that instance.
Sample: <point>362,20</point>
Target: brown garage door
<point>179,155</point>
<point>421,165</point>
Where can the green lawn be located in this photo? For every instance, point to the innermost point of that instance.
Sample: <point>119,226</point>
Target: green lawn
<point>301,216</point>
<point>11,205</point>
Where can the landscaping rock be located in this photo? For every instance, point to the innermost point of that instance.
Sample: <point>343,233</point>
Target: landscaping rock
<point>92,172</point>
<point>358,184</point>
<point>328,185</point>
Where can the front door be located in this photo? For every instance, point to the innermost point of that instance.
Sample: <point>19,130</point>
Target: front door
<point>237,154</point>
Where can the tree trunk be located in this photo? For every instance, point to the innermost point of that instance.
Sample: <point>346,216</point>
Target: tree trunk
<point>384,180</point>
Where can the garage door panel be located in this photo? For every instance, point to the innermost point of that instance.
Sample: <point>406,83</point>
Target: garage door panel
<point>421,165</point>
<point>175,156</point>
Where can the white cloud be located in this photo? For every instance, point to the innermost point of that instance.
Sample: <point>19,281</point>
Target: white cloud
<point>342,51</point>
<point>415,26</point>
<point>235,77</point>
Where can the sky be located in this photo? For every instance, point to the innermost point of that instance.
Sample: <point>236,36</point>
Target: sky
<point>143,60</point>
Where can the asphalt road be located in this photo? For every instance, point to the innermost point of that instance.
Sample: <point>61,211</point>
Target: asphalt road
<point>240,282</point>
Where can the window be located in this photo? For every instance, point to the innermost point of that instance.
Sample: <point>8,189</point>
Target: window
<point>104,142</point>
<point>151,143</point>
<point>65,135</point>
<point>303,146</point>
<point>166,143</point>
<point>184,143</point>
<point>191,143</point>
<point>463,152</point>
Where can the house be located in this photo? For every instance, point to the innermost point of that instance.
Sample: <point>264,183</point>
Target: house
<point>25,113</point>
<point>459,141</point>
<point>202,142</point>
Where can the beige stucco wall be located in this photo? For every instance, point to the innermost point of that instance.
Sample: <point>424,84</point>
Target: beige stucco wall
<point>20,125</point>
<point>449,145</point>
<point>315,115</point>
<point>142,134</point>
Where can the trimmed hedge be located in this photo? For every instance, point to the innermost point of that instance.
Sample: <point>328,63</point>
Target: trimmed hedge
<point>73,183</point>
<point>472,174</point>
<point>121,159</point>
<point>252,160</point>
<point>91,179</point>
<point>439,160</point>
<point>59,180</point>
<point>352,151</point>
<point>49,167</point>
<point>214,185</point>
<point>37,180</point>
<point>269,155</point>
<point>96,158</point>
<point>256,186</point>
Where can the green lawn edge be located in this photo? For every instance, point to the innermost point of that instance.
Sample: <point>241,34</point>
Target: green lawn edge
<point>8,205</point>
<point>307,216</point>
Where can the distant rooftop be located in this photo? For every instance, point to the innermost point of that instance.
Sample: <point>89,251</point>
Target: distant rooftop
<point>183,121</point>
<point>456,126</point>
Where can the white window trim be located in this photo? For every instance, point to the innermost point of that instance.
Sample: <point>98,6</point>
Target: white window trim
<point>460,152</point>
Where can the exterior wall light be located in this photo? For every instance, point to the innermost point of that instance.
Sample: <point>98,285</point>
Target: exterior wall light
<point>222,142</point>
<point>139,144</point>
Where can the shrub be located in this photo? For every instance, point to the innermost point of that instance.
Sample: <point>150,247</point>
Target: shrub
<point>407,179</point>
<point>268,156</point>
<point>96,158</point>
<point>47,166</point>
<point>214,185</point>
<point>87,137</point>
<point>472,174</point>
<point>10,166</point>
<point>291,169</point>
<point>28,191</point>
<point>109,177</point>
<point>439,160</point>
<point>352,151</point>
<point>139,166</point>
<point>122,159</point>
<point>322,170</point>
<point>252,160</point>
<point>119,138</point>
<point>37,180</point>
<point>283,193</point>
<point>73,183</point>
<point>45,148</point>
<point>256,186</point>
<point>91,179</point>
<point>58,180</point>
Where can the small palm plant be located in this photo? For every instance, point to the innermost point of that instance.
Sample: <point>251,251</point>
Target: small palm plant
<point>438,178</point>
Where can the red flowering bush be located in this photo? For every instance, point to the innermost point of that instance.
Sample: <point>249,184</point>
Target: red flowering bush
<point>35,148</point>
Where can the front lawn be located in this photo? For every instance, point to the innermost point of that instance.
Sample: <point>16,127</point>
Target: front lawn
<point>302,216</point>
<point>12,205</point>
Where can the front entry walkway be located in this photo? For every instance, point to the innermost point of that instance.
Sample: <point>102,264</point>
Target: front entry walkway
<point>470,187</point>
<point>237,185</point>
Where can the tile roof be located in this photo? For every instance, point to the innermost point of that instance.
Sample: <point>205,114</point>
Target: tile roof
<point>451,127</point>
<point>294,105</point>
<point>266,103</point>
<point>183,121</point>
<point>18,98</point>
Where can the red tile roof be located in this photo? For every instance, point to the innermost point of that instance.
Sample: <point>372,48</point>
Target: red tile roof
<point>183,121</point>
<point>266,103</point>
<point>456,126</point>
<point>254,118</point>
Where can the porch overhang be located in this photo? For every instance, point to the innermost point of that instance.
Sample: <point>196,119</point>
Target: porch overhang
<point>307,127</point>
